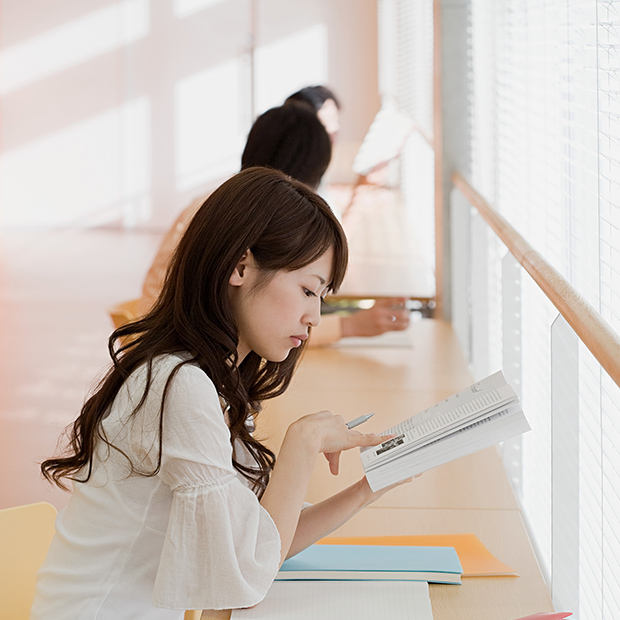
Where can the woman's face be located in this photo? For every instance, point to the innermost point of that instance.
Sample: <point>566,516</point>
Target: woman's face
<point>329,115</point>
<point>274,318</point>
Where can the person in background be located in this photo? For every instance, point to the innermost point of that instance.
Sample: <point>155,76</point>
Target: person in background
<point>175,504</point>
<point>291,139</point>
<point>325,104</point>
<point>386,314</point>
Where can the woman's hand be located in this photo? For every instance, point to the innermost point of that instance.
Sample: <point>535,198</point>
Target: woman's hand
<point>373,496</point>
<point>331,436</point>
<point>304,440</point>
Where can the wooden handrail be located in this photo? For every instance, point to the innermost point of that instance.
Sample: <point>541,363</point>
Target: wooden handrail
<point>602,341</point>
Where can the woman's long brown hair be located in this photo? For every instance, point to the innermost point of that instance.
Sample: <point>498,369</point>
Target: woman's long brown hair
<point>286,226</point>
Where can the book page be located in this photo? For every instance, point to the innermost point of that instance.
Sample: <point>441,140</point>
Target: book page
<point>384,140</point>
<point>480,400</point>
<point>334,600</point>
<point>443,433</point>
<point>507,423</point>
<point>475,398</point>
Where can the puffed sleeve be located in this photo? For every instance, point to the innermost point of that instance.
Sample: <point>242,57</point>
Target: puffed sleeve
<point>222,549</point>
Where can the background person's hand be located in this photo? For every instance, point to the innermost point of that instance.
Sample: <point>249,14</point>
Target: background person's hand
<point>388,314</point>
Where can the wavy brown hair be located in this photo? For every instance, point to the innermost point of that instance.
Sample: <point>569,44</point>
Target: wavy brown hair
<point>286,226</point>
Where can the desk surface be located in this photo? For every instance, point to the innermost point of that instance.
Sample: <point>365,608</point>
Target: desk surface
<point>471,494</point>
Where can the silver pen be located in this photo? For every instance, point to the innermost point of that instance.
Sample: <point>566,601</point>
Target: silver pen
<point>360,420</point>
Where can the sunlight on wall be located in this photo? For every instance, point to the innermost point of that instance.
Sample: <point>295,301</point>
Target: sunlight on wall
<point>211,126</point>
<point>72,43</point>
<point>99,170</point>
<point>183,8</point>
<point>290,63</point>
<point>83,174</point>
<point>135,155</point>
<point>210,131</point>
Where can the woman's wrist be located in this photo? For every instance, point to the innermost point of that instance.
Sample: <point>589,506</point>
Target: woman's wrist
<point>300,435</point>
<point>364,492</point>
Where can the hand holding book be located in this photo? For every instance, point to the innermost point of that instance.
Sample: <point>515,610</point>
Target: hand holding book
<point>482,415</point>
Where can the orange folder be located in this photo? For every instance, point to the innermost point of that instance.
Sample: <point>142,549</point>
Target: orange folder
<point>548,615</point>
<point>476,559</point>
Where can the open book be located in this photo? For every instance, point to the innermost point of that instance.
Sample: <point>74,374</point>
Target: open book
<point>384,140</point>
<point>484,414</point>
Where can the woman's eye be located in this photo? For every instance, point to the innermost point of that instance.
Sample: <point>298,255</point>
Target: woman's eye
<point>309,293</point>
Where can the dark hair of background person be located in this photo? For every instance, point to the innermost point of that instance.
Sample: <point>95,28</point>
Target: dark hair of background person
<point>289,138</point>
<point>316,96</point>
<point>286,226</point>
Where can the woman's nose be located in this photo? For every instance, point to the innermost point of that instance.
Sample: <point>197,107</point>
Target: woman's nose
<point>314,317</point>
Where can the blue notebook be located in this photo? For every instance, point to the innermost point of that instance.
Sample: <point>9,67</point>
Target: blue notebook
<point>373,563</point>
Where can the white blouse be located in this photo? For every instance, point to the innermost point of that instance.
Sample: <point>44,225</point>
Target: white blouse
<point>192,537</point>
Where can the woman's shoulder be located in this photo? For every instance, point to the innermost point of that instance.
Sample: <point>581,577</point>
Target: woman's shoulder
<point>186,390</point>
<point>174,374</point>
<point>186,372</point>
<point>192,406</point>
<point>168,361</point>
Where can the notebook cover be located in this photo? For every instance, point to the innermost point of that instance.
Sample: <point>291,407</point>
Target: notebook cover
<point>388,558</point>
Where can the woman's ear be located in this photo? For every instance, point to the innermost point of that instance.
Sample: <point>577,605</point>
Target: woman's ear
<point>240,273</point>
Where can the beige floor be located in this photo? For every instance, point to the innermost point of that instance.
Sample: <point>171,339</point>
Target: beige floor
<point>54,290</point>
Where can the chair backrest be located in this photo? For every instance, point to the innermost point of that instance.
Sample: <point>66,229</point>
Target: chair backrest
<point>25,536</point>
<point>124,312</point>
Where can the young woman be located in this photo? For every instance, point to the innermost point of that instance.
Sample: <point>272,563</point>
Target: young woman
<point>175,504</point>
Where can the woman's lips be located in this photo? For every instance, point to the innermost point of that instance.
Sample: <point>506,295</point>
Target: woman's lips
<point>297,340</point>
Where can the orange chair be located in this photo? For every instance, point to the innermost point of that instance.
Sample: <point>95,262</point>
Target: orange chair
<point>124,312</point>
<point>25,536</point>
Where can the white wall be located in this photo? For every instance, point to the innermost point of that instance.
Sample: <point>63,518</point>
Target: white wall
<point>119,112</point>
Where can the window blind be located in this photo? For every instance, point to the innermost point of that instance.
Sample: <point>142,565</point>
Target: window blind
<point>545,115</point>
<point>406,78</point>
